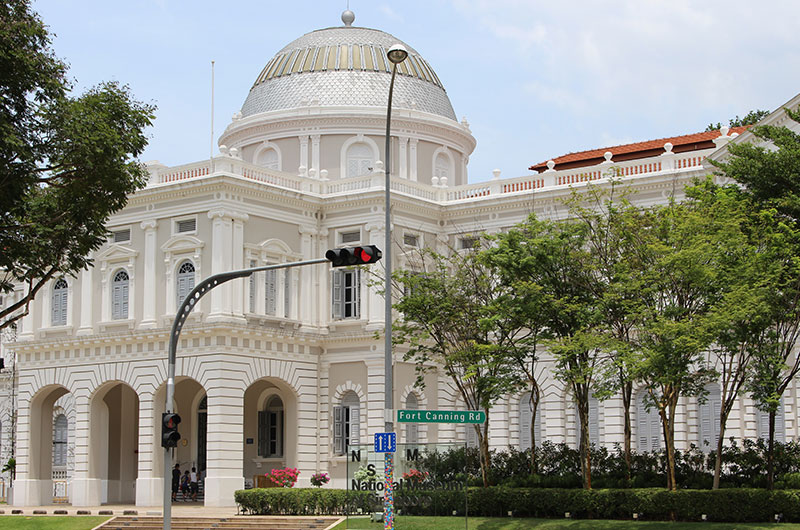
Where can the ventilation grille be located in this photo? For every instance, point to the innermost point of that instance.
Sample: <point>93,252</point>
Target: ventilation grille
<point>187,225</point>
<point>122,236</point>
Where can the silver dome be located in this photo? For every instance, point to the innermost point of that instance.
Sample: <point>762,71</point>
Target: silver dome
<point>345,66</point>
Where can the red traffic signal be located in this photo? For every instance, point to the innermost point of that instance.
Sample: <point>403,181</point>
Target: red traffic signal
<point>348,256</point>
<point>169,430</point>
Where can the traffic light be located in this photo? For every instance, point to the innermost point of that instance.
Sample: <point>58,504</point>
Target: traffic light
<point>345,257</point>
<point>169,430</point>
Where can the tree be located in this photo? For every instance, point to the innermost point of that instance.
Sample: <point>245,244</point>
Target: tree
<point>446,305</point>
<point>551,257</point>
<point>751,118</point>
<point>66,163</point>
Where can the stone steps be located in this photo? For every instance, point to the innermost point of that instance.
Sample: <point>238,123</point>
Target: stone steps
<point>226,523</point>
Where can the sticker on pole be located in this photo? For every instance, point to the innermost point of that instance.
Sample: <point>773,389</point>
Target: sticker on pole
<point>385,442</point>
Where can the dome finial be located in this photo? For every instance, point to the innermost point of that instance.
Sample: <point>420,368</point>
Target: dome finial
<point>348,17</point>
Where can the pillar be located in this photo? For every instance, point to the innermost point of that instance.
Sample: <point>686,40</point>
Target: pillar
<point>224,471</point>
<point>412,155</point>
<point>87,300</point>
<point>149,280</point>
<point>149,480</point>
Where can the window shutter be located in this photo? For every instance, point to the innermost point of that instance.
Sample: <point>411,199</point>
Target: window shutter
<point>705,425</point>
<point>763,423</point>
<point>125,300</point>
<point>357,290</point>
<point>594,427</point>
<point>271,287</point>
<point>355,426</point>
<point>338,430</point>
<point>525,414</point>
<point>287,293</point>
<point>471,435</point>
<point>780,424</point>
<point>336,294</point>
<point>537,426</point>
<point>716,407</point>
<point>263,433</point>
<point>58,314</point>
<point>642,426</point>
<point>655,430</point>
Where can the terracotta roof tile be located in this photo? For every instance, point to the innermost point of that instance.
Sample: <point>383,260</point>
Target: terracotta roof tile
<point>637,150</point>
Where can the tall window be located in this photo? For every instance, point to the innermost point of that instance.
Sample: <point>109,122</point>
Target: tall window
<point>346,425</point>
<point>269,159</point>
<point>185,281</point>
<point>60,441</point>
<point>346,294</point>
<point>525,415</point>
<point>270,429</point>
<point>441,167</point>
<point>59,309</point>
<point>594,431</point>
<point>119,295</point>
<point>359,160</point>
<point>648,425</point>
<point>412,429</point>
<point>709,418</point>
<point>763,423</point>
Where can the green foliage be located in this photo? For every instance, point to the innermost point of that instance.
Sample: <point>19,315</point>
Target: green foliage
<point>66,163</point>
<point>303,501</point>
<point>751,118</point>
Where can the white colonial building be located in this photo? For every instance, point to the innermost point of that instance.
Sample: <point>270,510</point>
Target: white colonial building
<point>285,368</point>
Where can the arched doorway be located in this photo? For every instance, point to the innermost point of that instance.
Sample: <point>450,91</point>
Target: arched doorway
<point>270,429</point>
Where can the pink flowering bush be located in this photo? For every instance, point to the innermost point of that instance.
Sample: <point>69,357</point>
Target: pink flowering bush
<point>416,476</point>
<point>285,478</point>
<point>320,479</point>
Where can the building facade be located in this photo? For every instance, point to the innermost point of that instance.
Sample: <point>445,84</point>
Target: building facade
<point>284,368</point>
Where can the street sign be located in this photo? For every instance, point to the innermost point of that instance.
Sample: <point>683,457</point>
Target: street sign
<point>385,442</point>
<point>441,416</point>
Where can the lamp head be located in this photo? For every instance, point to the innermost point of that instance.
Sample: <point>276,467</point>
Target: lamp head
<point>397,54</point>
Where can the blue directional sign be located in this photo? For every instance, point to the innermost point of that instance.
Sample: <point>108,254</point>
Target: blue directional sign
<point>385,442</point>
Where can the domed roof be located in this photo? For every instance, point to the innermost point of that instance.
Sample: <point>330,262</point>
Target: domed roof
<point>345,66</point>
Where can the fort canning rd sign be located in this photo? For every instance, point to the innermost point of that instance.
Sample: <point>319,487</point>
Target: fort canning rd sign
<point>441,416</point>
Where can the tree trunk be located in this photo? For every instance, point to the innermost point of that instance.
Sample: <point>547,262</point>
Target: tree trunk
<point>771,452</point>
<point>483,439</point>
<point>627,392</point>
<point>585,443</point>
<point>667,413</point>
<point>534,411</point>
<point>718,460</point>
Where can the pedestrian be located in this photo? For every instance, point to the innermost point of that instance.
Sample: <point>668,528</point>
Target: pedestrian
<point>193,480</point>
<point>176,478</point>
<point>185,486</point>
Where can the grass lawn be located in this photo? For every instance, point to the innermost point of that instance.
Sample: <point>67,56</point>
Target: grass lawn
<point>43,522</point>
<point>485,523</point>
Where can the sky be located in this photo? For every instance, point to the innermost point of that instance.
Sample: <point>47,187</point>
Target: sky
<point>534,79</point>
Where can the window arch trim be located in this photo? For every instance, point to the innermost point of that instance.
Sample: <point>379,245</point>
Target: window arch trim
<point>360,138</point>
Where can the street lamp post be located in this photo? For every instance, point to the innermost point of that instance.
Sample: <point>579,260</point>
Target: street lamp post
<point>396,54</point>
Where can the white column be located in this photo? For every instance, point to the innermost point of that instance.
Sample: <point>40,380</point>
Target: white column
<point>149,482</point>
<point>412,155</point>
<point>373,303</point>
<point>237,256</point>
<point>224,472</point>
<point>46,301</point>
<point>403,157</point>
<point>221,247</point>
<point>464,174</point>
<point>315,152</point>
<point>304,153</point>
<point>150,289</point>
<point>87,300</point>
<point>306,299</point>
<point>322,287</point>
<point>27,321</point>
<point>86,489</point>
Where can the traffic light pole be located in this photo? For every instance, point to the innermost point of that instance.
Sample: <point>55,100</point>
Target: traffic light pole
<point>189,303</point>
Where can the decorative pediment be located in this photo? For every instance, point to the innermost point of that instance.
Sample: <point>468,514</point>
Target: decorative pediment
<point>182,243</point>
<point>117,252</point>
<point>275,246</point>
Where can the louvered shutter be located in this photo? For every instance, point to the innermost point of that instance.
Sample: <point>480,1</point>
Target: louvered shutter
<point>357,291</point>
<point>355,426</point>
<point>537,426</point>
<point>655,430</point>
<point>471,435</point>
<point>525,414</point>
<point>716,407</point>
<point>336,294</point>
<point>263,433</point>
<point>763,423</point>
<point>780,424</point>
<point>705,425</point>
<point>642,425</point>
<point>252,303</point>
<point>287,293</point>
<point>59,302</point>
<point>271,288</point>
<point>594,423</point>
<point>338,430</point>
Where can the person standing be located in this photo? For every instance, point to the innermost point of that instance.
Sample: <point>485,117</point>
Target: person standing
<point>193,482</point>
<point>176,479</point>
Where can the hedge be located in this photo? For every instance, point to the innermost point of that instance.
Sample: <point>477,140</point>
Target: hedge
<point>725,505</point>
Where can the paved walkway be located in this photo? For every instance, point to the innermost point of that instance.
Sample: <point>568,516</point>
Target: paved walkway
<point>179,509</point>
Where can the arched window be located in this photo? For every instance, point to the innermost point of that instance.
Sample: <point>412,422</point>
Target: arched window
<point>119,295</point>
<point>270,429</point>
<point>59,309</point>
<point>346,425</point>
<point>412,429</point>
<point>60,441</point>
<point>594,431</point>
<point>525,415</point>
<point>763,423</point>
<point>360,160</point>
<point>709,418</point>
<point>441,167</point>
<point>185,281</point>
<point>648,425</point>
<point>268,158</point>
